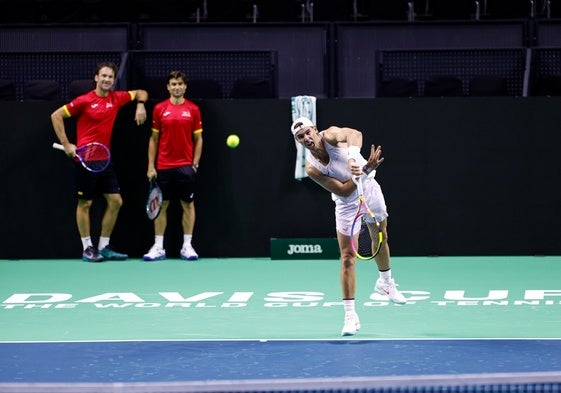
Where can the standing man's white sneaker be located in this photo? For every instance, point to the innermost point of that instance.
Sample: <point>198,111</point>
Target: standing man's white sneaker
<point>156,253</point>
<point>188,253</point>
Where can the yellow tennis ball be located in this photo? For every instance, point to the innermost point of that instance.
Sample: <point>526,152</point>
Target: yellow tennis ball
<point>233,141</point>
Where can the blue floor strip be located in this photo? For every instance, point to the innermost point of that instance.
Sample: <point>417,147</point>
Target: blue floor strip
<point>157,361</point>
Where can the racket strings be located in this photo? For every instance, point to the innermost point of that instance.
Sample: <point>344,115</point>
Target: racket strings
<point>366,241</point>
<point>154,203</point>
<point>366,248</point>
<point>96,157</point>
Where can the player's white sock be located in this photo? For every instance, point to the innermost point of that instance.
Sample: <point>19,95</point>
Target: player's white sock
<point>187,240</point>
<point>349,305</point>
<point>103,242</point>
<point>387,275</point>
<point>159,240</point>
<point>86,242</point>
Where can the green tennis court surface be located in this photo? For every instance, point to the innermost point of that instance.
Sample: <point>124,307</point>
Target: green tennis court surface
<point>259,298</point>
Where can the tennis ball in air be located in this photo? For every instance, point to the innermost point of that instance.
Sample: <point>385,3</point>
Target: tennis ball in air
<point>233,141</point>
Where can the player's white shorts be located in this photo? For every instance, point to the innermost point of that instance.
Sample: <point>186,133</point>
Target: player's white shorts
<point>345,212</point>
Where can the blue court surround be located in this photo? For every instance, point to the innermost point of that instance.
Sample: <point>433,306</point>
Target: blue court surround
<point>161,361</point>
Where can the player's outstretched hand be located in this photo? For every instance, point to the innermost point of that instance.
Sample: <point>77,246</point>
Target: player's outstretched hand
<point>375,158</point>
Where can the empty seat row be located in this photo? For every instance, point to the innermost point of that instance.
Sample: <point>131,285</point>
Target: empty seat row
<point>250,87</point>
<point>444,86</point>
<point>441,86</point>
<point>48,90</point>
<point>43,89</point>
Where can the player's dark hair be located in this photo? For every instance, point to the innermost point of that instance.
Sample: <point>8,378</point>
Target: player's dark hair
<point>107,64</point>
<point>176,75</point>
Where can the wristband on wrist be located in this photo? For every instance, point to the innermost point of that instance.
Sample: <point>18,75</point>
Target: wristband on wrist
<point>140,102</point>
<point>370,173</point>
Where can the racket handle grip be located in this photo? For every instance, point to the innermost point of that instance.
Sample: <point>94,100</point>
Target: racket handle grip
<point>358,182</point>
<point>58,146</point>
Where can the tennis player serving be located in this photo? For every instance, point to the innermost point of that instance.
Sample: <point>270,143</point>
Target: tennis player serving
<point>333,161</point>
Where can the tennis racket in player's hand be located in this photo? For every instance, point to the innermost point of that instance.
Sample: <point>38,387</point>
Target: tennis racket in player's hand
<point>94,156</point>
<point>366,234</point>
<point>154,201</point>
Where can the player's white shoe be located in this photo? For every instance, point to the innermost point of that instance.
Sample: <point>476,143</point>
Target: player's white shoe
<point>156,253</point>
<point>188,253</point>
<point>389,289</point>
<point>352,324</point>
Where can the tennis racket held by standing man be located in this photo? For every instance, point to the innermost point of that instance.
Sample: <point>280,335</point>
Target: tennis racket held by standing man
<point>154,201</point>
<point>94,157</point>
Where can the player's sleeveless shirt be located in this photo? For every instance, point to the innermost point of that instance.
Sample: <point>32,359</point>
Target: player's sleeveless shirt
<point>337,167</point>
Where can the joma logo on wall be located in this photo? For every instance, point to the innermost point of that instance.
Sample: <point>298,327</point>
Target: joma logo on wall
<point>304,249</point>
